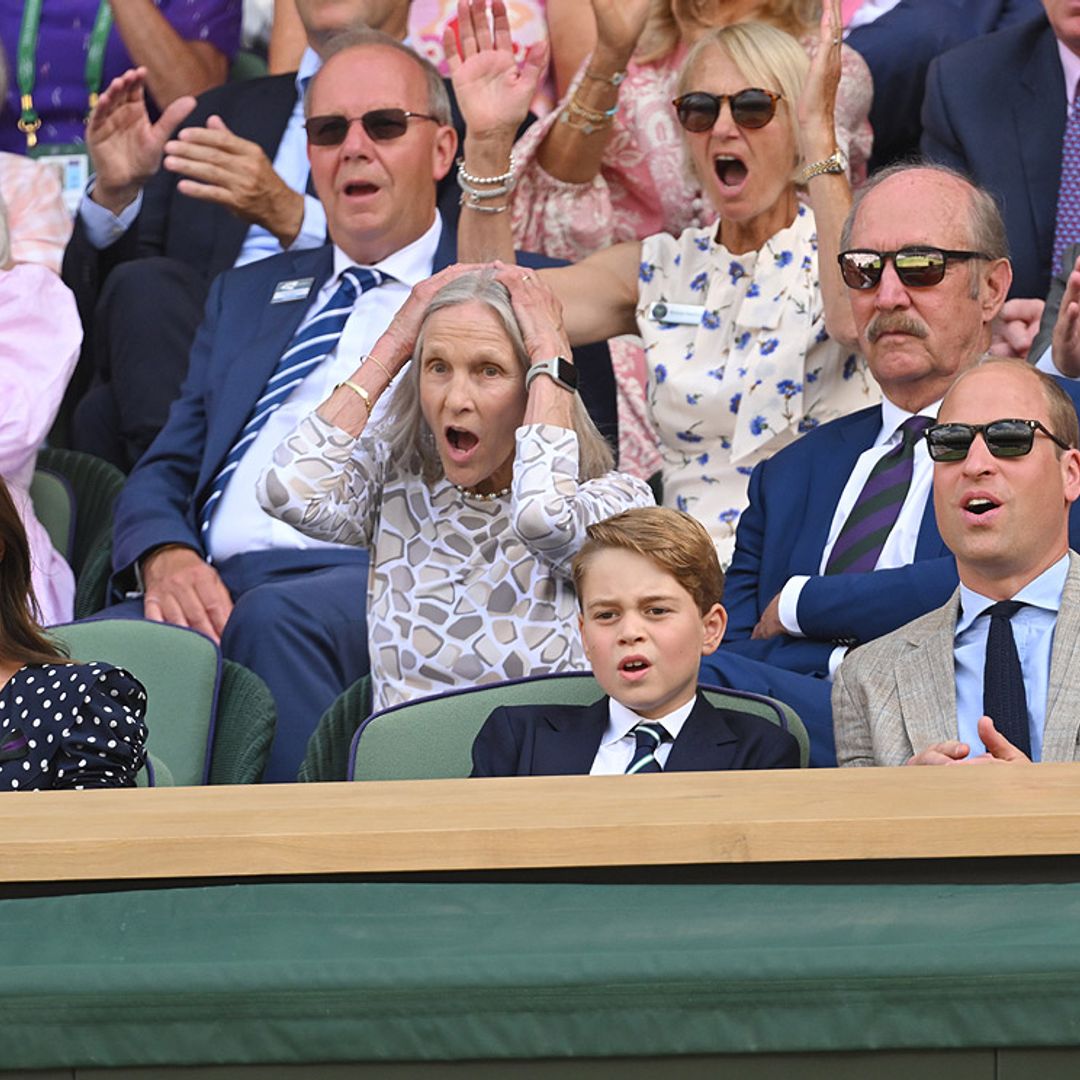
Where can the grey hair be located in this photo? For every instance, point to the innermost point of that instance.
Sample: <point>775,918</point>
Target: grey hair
<point>364,37</point>
<point>985,223</point>
<point>407,432</point>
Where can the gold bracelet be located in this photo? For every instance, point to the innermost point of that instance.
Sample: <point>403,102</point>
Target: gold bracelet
<point>364,396</point>
<point>586,127</point>
<point>612,80</point>
<point>381,366</point>
<point>597,116</point>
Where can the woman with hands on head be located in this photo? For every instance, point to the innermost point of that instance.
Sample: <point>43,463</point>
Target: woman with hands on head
<point>747,327</point>
<point>473,496</point>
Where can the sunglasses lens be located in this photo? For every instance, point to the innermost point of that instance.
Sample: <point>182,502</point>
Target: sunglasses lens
<point>920,266</point>
<point>326,130</point>
<point>752,108</point>
<point>861,269</point>
<point>385,124</point>
<point>698,111</point>
<point>949,442</point>
<point>1009,438</point>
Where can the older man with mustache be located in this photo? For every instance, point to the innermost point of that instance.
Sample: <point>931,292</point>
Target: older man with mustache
<point>840,544</point>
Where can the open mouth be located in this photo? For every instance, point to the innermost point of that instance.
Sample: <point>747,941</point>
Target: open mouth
<point>730,171</point>
<point>461,442</point>
<point>634,667</point>
<point>357,188</point>
<point>979,505</point>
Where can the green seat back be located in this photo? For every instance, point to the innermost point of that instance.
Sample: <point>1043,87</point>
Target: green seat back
<point>54,507</point>
<point>432,738</point>
<point>94,485</point>
<point>180,670</point>
<point>329,750</point>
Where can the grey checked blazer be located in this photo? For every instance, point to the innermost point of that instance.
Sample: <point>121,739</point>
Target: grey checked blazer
<point>895,696</point>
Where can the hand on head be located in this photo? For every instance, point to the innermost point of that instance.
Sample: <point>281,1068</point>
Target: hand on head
<point>538,311</point>
<point>493,91</point>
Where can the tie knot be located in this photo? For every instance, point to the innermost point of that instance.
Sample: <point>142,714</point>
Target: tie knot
<point>1004,609</point>
<point>914,428</point>
<point>360,278</point>
<point>649,735</point>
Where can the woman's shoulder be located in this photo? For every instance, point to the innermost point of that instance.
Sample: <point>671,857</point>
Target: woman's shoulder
<point>94,677</point>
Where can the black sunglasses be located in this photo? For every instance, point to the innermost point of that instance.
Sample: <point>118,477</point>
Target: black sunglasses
<point>382,125</point>
<point>1003,438</point>
<point>753,108</point>
<point>861,268</point>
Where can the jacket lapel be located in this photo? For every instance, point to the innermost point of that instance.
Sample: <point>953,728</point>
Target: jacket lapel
<point>1062,725</point>
<point>705,743</point>
<point>567,738</point>
<point>251,369</point>
<point>926,679</point>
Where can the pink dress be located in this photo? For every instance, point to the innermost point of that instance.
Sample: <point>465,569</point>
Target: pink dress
<point>646,186</point>
<point>40,335</point>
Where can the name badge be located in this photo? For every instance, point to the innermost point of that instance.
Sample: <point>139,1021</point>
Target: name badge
<point>287,291</point>
<point>682,314</point>
<point>72,167</point>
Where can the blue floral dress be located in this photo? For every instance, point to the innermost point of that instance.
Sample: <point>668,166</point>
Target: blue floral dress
<point>752,371</point>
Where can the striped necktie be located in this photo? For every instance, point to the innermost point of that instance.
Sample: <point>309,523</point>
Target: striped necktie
<point>1004,699</point>
<point>313,343</point>
<point>1067,223</point>
<point>648,736</point>
<point>858,547</point>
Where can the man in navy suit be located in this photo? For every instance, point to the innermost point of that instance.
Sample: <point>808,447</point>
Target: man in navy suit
<point>291,609</point>
<point>786,604</point>
<point>149,239</point>
<point>995,109</point>
<point>648,584</point>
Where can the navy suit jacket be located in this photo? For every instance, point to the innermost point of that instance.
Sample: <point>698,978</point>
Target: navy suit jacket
<point>995,109</point>
<point>562,740</point>
<point>233,357</point>
<point>783,531</point>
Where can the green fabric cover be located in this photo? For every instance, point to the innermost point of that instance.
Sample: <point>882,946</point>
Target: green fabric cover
<point>52,499</point>
<point>339,972</point>
<point>431,739</point>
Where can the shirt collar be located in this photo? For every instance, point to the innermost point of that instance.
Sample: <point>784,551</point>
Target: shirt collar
<point>1041,592</point>
<point>309,64</point>
<point>621,720</point>
<point>410,265</point>
<point>1070,65</point>
<point>892,416</point>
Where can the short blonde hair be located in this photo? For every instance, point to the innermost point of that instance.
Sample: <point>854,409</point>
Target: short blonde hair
<point>675,542</point>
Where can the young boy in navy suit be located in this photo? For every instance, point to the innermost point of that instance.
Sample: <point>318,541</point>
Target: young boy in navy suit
<point>648,585</point>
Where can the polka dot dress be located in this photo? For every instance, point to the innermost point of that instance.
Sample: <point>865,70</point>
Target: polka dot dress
<point>71,726</point>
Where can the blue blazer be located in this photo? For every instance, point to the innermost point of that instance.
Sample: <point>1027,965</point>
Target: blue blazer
<point>995,109</point>
<point>233,357</point>
<point>562,740</point>
<point>783,531</point>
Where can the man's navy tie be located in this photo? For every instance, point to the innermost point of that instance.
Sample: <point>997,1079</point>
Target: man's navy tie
<point>1004,699</point>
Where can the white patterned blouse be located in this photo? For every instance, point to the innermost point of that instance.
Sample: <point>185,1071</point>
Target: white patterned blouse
<point>462,591</point>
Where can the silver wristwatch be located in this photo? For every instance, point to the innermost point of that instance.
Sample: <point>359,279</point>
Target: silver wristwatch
<point>558,368</point>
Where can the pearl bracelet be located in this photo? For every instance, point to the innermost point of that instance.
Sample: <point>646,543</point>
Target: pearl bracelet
<point>503,178</point>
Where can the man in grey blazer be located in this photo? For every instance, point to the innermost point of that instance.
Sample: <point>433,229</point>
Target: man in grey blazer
<point>981,679</point>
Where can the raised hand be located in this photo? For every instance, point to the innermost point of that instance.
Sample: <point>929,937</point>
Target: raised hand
<point>125,146</point>
<point>618,26</point>
<point>817,102</point>
<point>493,90</point>
<point>223,168</point>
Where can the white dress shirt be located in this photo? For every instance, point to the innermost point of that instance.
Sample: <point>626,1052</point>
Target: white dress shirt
<point>239,524</point>
<point>619,742</point>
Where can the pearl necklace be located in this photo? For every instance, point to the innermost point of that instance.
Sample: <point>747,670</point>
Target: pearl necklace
<point>481,496</point>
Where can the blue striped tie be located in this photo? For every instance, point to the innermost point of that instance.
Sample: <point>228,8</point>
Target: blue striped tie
<point>313,343</point>
<point>649,736</point>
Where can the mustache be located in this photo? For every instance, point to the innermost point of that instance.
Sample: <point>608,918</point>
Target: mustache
<point>894,323</point>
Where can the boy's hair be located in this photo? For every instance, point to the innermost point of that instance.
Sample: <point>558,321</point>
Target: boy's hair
<point>674,541</point>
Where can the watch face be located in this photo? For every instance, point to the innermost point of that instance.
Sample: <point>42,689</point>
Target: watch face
<point>565,372</point>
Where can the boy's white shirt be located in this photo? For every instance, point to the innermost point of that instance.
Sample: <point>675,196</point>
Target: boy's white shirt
<point>618,744</point>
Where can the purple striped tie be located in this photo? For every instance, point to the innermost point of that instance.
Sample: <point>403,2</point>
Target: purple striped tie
<point>1067,226</point>
<point>858,547</point>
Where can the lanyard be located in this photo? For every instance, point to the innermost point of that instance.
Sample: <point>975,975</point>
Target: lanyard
<point>29,121</point>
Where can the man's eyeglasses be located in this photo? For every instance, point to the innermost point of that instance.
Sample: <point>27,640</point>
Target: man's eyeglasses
<point>1003,438</point>
<point>753,108</point>
<point>382,125</point>
<point>918,267</point>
